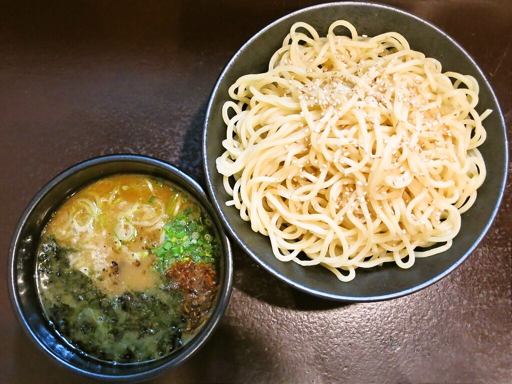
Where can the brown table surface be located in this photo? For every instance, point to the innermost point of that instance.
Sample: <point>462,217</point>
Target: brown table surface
<point>88,78</point>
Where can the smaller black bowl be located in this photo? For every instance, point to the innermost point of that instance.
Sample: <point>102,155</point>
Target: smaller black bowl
<point>22,284</point>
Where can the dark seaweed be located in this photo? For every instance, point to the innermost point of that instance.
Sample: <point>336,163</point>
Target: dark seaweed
<point>135,326</point>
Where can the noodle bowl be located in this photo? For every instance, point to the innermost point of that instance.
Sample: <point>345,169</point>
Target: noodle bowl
<point>352,150</point>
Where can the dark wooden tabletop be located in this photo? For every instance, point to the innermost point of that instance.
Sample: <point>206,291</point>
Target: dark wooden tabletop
<point>83,78</point>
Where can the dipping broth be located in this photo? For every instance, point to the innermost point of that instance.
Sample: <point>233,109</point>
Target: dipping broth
<point>127,268</point>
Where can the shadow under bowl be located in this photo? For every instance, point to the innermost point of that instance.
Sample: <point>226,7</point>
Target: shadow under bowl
<point>388,281</point>
<point>22,284</point>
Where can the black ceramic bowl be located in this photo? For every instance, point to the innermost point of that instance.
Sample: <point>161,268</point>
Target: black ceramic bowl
<point>22,266</point>
<point>389,281</point>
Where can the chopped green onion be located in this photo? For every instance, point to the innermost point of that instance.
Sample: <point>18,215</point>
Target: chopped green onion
<point>186,238</point>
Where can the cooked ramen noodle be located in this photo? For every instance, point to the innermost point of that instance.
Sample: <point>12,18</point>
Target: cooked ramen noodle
<point>353,151</point>
<point>126,268</point>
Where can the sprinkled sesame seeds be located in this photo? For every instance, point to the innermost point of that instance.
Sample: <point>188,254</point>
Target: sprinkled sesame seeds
<point>373,133</point>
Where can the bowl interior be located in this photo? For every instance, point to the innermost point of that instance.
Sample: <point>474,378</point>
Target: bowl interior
<point>23,252</point>
<point>387,281</point>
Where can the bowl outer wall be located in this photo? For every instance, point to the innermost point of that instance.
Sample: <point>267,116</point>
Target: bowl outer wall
<point>22,285</point>
<point>389,281</point>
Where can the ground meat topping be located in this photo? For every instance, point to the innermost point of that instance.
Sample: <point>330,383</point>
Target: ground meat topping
<point>198,283</point>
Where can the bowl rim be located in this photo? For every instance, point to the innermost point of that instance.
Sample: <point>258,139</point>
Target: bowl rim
<point>233,233</point>
<point>225,286</point>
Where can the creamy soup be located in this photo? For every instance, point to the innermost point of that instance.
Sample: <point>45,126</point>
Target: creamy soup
<point>127,268</point>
